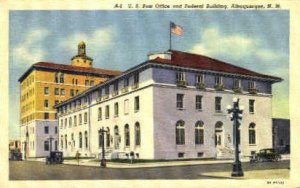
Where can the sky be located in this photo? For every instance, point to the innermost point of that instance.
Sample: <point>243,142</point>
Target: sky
<point>256,40</point>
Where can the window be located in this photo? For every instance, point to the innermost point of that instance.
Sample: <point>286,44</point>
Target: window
<point>117,138</point>
<point>251,85</point>
<point>72,93</point>
<point>62,92</point>
<point>56,78</point>
<point>136,78</point>
<point>100,139</point>
<point>218,80</point>
<point>106,111</point>
<point>46,145</point>
<point>106,90</point>
<point>66,141</point>
<point>85,118</point>
<point>251,105</point>
<point>70,121</point>
<point>77,91</point>
<point>180,76</point>
<point>200,154</point>
<point>75,120</point>
<point>46,90</point>
<point>218,104</point>
<point>46,104</point>
<point>99,113</point>
<point>55,130</point>
<point>61,78</point>
<point>73,81</point>
<point>62,142</point>
<point>252,133</point>
<point>136,103</point>
<point>92,83</point>
<point>199,133</point>
<point>116,109</point>
<point>80,119</point>
<point>179,101</point>
<point>61,124</point>
<point>137,134</point>
<point>55,145</point>
<point>180,135</point>
<point>127,135</point>
<point>198,102</point>
<point>126,82</point>
<point>55,115</point>
<point>56,91</point>
<point>46,115</point>
<point>116,86</point>
<point>56,102</point>
<point>180,155</point>
<point>107,137</point>
<point>236,83</point>
<point>66,122</point>
<point>199,79</point>
<point>87,83</point>
<point>46,130</point>
<point>86,139</point>
<point>80,140</point>
<point>126,106</point>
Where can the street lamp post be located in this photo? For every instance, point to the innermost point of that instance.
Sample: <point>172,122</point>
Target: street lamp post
<point>103,161</point>
<point>236,115</point>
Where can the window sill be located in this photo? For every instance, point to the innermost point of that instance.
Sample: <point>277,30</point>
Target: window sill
<point>181,109</point>
<point>116,116</point>
<point>136,111</point>
<point>199,110</point>
<point>251,113</point>
<point>252,144</point>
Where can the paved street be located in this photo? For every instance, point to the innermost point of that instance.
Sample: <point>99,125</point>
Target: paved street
<point>30,170</point>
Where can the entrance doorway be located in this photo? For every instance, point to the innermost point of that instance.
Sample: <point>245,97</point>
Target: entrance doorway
<point>219,137</point>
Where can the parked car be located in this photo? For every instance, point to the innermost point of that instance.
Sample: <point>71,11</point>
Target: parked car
<point>55,157</point>
<point>15,156</point>
<point>268,154</point>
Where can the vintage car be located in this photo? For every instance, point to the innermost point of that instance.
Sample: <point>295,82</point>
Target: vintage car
<point>268,154</point>
<point>15,156</point>
<point>55,157</point>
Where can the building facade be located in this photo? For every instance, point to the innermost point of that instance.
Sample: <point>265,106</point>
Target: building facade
<point>42,86</point>
<point>171,106</point>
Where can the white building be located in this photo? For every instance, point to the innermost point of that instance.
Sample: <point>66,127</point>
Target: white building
<point>171,106</point>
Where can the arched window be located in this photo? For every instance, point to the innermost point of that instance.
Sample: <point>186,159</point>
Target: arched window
<point>107,137</point>
<point>252,133</point>
<point>73,140</point>
<point>199,132</point>
<point>61,78</point>
<point>117,138</point>
<point>86,139</point>
<point>80,140</point>
<point>127,135</point>
<point>180,137</point>
<point>137,134</point>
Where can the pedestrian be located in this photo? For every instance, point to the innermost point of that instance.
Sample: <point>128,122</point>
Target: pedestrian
<point>77,156</point>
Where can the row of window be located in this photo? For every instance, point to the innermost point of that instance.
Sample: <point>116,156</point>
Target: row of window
<point>199,133</point>
<point>46,130</point>
<point>198,103</point>
<point>28,81</point>
<point>73,121</point>
<point>28,118</point>
<point>200,81</point>
<point>27,95</point>
<point>27,107</point>
<point>64,141</point>
<point>116,108</point>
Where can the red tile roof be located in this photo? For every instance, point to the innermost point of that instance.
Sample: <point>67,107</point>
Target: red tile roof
<point>184,59</point>
<point>70,68</point>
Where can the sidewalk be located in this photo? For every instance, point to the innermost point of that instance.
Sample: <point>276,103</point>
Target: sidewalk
<point>253,174</point>
<point>89,162</point>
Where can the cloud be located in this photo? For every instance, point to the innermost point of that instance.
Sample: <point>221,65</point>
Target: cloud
<point>29,50</point>
<point>98,40</point>
<point>235,46</point>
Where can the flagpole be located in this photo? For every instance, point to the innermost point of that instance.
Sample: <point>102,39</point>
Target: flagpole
<point>170,37</point>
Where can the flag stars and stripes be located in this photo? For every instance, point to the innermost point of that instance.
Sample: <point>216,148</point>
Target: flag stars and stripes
<point>176,29</point>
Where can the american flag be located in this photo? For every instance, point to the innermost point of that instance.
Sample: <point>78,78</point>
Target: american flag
<point>176,29</point>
